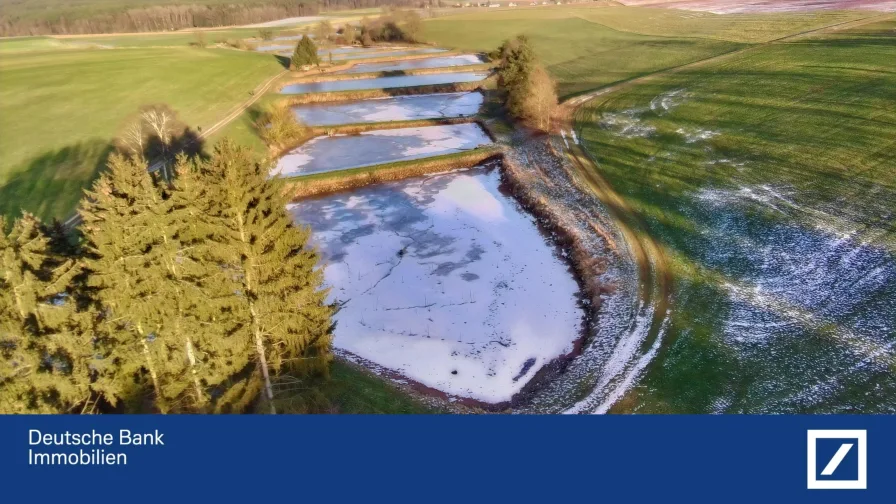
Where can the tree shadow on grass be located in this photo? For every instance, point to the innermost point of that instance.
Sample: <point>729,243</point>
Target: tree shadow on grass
<point>52,184</point>
<point>283,60</point>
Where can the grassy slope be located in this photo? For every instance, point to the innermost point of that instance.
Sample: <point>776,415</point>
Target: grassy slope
<point>161,39</point>
<point>750,28</point>
<point>581,55</point>
<point>585,48</point>
<point>60,109</point>
<point>354,390</point>
<point>815,117</point>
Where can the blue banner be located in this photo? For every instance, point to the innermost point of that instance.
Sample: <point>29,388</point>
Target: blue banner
<point>449,458</point>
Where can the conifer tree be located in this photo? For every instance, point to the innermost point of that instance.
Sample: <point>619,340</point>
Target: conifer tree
<point>278,288</point>
<point>121,235</point>
<point>44,341</point>
<point>202,295</point>
<point>305,53</point>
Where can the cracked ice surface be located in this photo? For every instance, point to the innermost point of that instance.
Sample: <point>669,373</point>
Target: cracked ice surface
<point>445,280</point>
<point>395,66</point>
<point>383,82</point>
<point>399,108</point>
<point>340,152</point>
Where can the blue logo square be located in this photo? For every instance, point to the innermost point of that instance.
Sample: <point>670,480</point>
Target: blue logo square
<point>826,450</point>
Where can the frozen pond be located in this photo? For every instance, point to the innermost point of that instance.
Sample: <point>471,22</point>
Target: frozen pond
<point>383,82</point>
<point>446,280</point>
<point>275,47</point>
<point>399,108</point>
<point>374,52</point>
<point>322,52</point>
<point>396,66</point>
<point>331,153</point>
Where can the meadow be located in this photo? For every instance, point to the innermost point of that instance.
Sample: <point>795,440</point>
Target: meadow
<point>770,178</point>
<point>588,47</point>
<point>60,110</point>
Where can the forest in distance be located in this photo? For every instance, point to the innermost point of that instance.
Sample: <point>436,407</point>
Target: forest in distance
<point>45,17</point>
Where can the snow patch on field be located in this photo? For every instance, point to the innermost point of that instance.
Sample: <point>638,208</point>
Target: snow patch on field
<point>667,101</point>
<point>446,281</point>
<point>807,300</point>
<point>693,135</point>
<point>627,124</point>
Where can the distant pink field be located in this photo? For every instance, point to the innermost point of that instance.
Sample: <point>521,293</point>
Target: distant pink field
<point>740,6</point>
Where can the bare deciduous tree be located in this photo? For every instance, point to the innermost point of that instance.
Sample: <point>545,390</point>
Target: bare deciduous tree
<point>540,102</point>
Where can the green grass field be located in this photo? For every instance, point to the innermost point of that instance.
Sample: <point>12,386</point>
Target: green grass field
<point>750,28</point>
<point>162,39</point>
<point>585,48</point>
<point>580,54</point>
<point>60,109</point>
<point>352,390</point>
<point>21,44</point>
<point>770,177</point>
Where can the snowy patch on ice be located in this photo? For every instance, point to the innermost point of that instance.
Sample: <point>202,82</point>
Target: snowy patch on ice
<point>399,108</point>
<point>445,280</point>
<point>412,64</point>
<point>340,152</point>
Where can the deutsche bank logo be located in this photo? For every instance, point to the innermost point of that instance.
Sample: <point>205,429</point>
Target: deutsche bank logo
<point>837,459</point>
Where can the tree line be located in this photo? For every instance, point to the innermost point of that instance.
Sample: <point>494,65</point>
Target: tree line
<point>19,21</point>
<point>189,293</point>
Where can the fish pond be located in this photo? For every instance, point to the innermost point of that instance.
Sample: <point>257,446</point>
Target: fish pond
<point>399,108</point>
<point>415,64</point>
<point>383,82</point>
<point>340,152</point>
<point>445,280</point>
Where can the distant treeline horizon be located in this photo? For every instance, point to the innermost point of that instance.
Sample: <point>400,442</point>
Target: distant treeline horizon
<point>102,18</point>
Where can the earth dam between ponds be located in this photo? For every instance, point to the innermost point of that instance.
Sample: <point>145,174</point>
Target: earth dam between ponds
<point>445,280</point>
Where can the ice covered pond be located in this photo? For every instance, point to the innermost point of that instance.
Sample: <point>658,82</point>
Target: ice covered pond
<point>383,82</point>
<point>445,280</point>
<point>339,152</point>
<point>374,52</point>
<point>399,108</point>
<point>275,47</point>
<point>323,51</point>
<point>411,64</point>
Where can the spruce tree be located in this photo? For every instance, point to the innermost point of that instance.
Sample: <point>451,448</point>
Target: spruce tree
<point>278,289</point>
<point>202,296</point>
<point>305,53</point>
<point>122,256</point>
<point>45,341</point>
<point>517,62</point>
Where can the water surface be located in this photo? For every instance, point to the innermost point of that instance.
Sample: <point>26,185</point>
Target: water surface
<point>412,64</point>
<point>399,108</point>
<point>383,82</point>
<point>446,280</point>
<point>331,153</point>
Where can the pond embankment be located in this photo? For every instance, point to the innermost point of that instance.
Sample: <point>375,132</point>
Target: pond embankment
<point>452,235</point>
